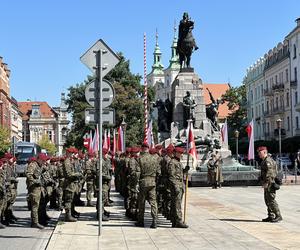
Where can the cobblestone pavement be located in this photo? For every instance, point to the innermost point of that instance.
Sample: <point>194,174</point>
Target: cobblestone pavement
<point>226,218</point>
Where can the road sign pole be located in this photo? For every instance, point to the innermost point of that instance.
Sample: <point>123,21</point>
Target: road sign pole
<point>99,115</point>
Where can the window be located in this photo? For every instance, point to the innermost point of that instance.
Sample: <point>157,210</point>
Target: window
<point>276,102</point>
<point>294,51</point>
<point>267,106</point>
<point>262,108</point>
<point>296,97</point>
<point>276,79</point>
<point>288,123</point>
<point>252,113</point>
<point>297,122</point>
<point>295,73</point>
<point>286,75</point>
<point>262,90</point>
<point>251,94</point>
<point>49,133</point>
<point>287,99</point>
<point>267,85</point>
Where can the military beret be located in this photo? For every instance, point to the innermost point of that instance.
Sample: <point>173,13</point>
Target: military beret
<point>72,150</point>
<point>261,148</point>
<point>164,151</point>
<point>43,157</point>
<point>158,146</point>
<point>135,150</point>
<point>152,151</point>
<point>53,159</point>
<point>104,151</point>
<point>31,159</point>
<point>179,150</point>
<point>145,145</point>
<point>91,154</point>
<point>8,156</point>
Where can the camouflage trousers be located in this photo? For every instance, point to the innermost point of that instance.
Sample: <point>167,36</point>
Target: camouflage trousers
<point>3,203</point>
<point>89,190</point>
<point>176,200</point>
<point>35,198</point>
<point>271,203</point>
<point>133,201</point>
<point>149,194</point>
<point>105,188</point>
<point>60,193</point>
<point>68,196</point>
<point>11,197</point>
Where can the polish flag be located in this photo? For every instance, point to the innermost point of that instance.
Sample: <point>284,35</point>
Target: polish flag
<point>224,133</point>
<point>150,139</point>
<point>120,145</point>
<point>96,140</point>
<point>250,133</point>
<point>105,146</point>
<point>191,146</point>
<point>90,149</point>
<point>108,140</point>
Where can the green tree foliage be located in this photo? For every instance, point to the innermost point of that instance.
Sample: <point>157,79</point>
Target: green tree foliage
<point>237,120</point>
<point>45,143</point>
<point>4,140</point>
<point>128,104</point>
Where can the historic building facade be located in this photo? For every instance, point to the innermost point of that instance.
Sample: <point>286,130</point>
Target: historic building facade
<point>16,121</point>
<point>272,91</point>
<point>5,102</point>
<point>40,119</point>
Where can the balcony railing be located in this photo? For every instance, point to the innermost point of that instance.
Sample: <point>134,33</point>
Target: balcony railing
<point>278,87</point>
<point>294,83</point>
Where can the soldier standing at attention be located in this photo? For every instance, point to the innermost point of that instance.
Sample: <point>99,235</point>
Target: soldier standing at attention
<point>71,178</point>
<point>147,184</point>
<point>34,184</point>
<point>176,171</point>
<point>90,175</point>
<point>268,173</point>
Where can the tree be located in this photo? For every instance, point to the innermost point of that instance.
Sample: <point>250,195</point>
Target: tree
<point>45,143</point>
<point>237,120</point>
<point>4,140</point>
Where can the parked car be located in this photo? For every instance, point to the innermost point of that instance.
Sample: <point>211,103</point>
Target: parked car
<point>284,161</point>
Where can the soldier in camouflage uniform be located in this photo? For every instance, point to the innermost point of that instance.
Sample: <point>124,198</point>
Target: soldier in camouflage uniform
<point>54,176</point>
<point>2,192</point>
<point>176,172</point>
<point>34,185</point>
<point>71,179</point>
<point>214,173</point>
<point>61,180</point>
<point>149,169</point>
<point>268,173</point>
<point>78,166</point>
<point>133,177</point>
<point>90,175</point>
<point>117,171</point>
<point>11,188</point>
<point>165,180</point>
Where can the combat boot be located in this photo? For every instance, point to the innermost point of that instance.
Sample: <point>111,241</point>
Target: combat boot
<point>104,218</point>
<point>181,225</point>
<point>2,226</point>
<point>154,224</point>
<point>276,219</point>
<point>268,219</point>
<point>89,204</point>
<point>12,216</point>
<point>69,217</point>
<point>37,225</point>
<point>106,213</point>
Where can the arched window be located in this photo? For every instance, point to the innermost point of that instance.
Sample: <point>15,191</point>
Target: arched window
<point>295,51</point>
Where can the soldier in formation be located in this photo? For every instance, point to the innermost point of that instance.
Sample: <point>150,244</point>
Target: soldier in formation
<point>214,171</point>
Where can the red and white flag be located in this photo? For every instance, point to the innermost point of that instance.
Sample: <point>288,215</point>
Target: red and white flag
<point>105,146</point>
<point>87,141</point>
<point>90,149</point>
<point>191,146</point>
<point>224,133</point>
<point>120,145</point>
<point>96,140</point>
<point>150,139</point>
<point>250,132</point>
<point>108,140</point>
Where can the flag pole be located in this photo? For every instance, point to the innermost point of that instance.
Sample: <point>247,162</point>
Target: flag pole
<point>187,173</point>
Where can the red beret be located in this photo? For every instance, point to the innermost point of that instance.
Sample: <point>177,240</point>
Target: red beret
<point>128,150</point>
<point>158,146</point>
<point>179,150</point>
<point>135,150</point>
<point>8,156</point>
<point>31,159</point>
<point>72,150</point>
<point>43,157</point>
<point>104,151</point>
<point>261,148</point>
<point>145,145</point>
<point>152,151</point>
<point>90,154</point>
<point>170,148</point>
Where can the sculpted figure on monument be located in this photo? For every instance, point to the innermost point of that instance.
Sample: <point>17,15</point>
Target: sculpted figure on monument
<point>186,42</point>
<point>162,116</point>
<point>189,105</point>
<point>212,109</point>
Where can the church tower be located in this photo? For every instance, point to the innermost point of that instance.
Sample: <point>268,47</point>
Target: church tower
<point>156,77</point>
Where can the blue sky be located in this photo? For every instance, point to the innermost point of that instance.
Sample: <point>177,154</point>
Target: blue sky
<point>41,41</point>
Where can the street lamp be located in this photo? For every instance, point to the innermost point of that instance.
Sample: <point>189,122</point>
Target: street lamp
<point>124,125</point>
<point>236,135</point>
<point>279,121</point>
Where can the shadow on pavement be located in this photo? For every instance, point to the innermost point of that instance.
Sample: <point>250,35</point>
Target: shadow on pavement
<point>238,220</point>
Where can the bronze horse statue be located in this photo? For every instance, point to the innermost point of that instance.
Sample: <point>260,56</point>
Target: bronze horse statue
<point>186,42</point>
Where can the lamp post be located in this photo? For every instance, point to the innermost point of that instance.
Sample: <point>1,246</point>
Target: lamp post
<point>124,125</point>
<point>236,135</point>
<point>279,121</point>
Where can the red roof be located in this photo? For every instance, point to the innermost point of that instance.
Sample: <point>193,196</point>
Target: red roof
<point>217,90</point>
<point>45,110</point>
